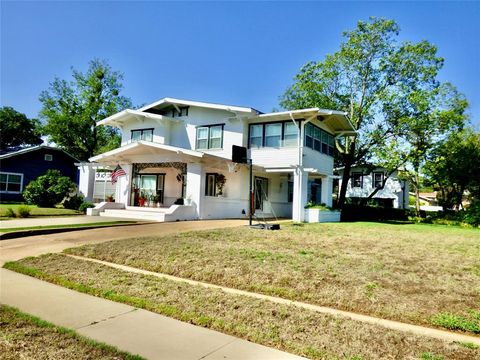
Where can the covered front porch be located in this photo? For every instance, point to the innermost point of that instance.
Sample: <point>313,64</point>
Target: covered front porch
<point>161,181</point>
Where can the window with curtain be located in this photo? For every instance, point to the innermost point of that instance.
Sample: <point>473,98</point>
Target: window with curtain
<point>209,137</point>
<point>142,134</point>
<point>202,138</point>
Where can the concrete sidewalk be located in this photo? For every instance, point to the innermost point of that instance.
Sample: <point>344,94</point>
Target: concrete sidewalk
<point>134,330</point>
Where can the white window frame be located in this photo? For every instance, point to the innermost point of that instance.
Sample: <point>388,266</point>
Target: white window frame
<point>209,137</point>
<point>382,176</point>
<point>21,183</point>
<point>360,178</point>
<point>48,157</point>
<point>143,133</point>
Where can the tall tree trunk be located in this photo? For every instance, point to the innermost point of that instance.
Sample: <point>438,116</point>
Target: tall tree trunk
<point>348,162</point>
<point>417,193</point>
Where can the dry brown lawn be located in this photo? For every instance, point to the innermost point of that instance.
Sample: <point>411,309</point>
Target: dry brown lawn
<point>299,331</point>
<point>26,337</point>
<point>409,273</point>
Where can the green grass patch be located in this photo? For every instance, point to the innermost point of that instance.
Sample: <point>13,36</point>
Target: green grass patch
<point>36,211</point>
<point>469,322</point>
<point>22,335</point>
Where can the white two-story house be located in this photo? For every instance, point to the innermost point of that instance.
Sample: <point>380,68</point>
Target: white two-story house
<point>175,149</point>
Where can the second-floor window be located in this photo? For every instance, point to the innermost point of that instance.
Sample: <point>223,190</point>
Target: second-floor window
<point>357,179</point>
<point>377,179</point>
<point>275,134</point>
<point>142,134</point>
<point>319,140</point>
<point>209,137</point>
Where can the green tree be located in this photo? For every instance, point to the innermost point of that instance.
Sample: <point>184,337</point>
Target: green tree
<point>452,167</point>
<point>425,115</point>
<point>71,110</point>
<point>49,189</point>
<point>362,78</point>
<point>17,129</point>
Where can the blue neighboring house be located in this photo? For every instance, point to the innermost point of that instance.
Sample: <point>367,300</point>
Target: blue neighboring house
<point>19,167</point>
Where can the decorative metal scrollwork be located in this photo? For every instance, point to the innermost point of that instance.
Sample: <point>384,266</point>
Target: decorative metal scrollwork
<point>182,167</point>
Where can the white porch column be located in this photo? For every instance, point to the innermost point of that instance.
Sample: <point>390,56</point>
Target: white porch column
<point>300,183</point>
<point>327,188</point>
<point>123,185</point>
<point>86,180</point>
<point>195,186</point>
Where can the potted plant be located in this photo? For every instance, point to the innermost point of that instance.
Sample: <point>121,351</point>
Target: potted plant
<point>157,199</point>
<point>220,181</point>
<point>141,199</point>
<point>110,198</point>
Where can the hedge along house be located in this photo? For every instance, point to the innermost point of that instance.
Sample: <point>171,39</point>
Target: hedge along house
<point>175,149</point>
<point>19,167</point>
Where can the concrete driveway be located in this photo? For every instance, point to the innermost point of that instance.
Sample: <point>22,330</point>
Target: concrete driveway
<point>16,249</point>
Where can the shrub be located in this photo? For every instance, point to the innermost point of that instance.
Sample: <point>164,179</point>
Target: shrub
<point>49,189</point>
<point>372,213</point>
<point>10,213</point>
<point>23,211</point>
<point>74,202</point>
<point>85,205</point>
<point>472,214</point>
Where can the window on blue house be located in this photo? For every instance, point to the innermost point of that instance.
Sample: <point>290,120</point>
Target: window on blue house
<point>11,182</point>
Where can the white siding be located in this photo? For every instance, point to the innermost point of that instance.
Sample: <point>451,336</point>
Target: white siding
<point>275,157</point>
<point>314,159</point>
<point>161,131</point>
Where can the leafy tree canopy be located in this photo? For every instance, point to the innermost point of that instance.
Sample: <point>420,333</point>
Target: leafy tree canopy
<point>452,167</point>
<point>388,89</point>
<point>17,129</point>
<point>71,109</point>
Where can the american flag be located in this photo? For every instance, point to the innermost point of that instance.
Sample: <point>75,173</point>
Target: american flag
<point>116,173</point>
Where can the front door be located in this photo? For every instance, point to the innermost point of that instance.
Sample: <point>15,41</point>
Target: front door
<point>261,192</point>
<point>150,187</point>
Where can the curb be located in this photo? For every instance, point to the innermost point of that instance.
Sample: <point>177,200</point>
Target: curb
<point>27,233</point>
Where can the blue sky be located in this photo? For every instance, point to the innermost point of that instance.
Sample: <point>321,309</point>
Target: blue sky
<point>239,53</point>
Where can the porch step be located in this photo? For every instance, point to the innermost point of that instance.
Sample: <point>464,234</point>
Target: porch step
<point>135,214</point>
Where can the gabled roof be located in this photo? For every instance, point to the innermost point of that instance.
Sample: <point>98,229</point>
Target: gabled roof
<point>337,120</point>
<point>172,101</point>
<point>119,118</point>
<point>34,148</point>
